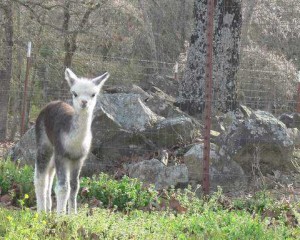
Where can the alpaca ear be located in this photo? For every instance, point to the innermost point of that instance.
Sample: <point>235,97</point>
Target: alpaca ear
<point>99,81</point>
<point>70,77</point>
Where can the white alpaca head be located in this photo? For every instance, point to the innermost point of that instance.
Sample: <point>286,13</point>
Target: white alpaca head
<point>84,91</point>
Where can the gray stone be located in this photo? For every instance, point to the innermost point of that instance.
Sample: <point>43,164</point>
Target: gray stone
<point>155,172</point>
<point>260,140</point>
<point>223,171</point>
<point>123,126</point>
<point>163,104</point>
<point>170,132</point>
<point>294,134</point>
<point>287,119</point>
<point>128,111</point>
<point>291,120</point>
<point>24,151</point>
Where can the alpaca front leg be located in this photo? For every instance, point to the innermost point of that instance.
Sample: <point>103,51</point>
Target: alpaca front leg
<point>63,186</point>
<point>74,183</point>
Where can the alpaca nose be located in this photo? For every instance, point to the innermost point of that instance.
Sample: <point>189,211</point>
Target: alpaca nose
<point>83,103</point>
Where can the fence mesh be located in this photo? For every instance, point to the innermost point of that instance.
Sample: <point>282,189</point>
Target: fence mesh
<point>267,79</point>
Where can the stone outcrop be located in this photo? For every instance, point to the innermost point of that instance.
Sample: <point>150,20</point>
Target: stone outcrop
<point>155,172</point>
<point>223,171</point>
<point>259,141</point>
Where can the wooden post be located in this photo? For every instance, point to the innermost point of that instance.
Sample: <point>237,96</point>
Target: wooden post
<point>24,105</point>
<point>208,94</point>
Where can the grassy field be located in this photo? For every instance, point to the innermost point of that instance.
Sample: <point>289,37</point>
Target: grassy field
<point>123,209</point>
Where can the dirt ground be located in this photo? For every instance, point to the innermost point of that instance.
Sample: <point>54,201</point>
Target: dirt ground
<point>4,146</point>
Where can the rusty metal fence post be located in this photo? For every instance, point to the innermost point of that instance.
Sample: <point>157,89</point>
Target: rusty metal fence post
<point>298,95</point>
<point>208,94</point>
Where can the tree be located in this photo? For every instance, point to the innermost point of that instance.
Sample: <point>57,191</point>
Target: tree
<point>228,22</point>
<point>6,64</point>
<point>75,20</point>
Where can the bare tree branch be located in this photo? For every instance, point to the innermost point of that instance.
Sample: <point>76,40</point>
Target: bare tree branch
<point>80,29</point>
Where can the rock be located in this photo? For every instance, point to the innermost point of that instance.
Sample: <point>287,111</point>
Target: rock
<point>287,119</point>
<point>296,120</point>
<point>163,104</point>
<point>166,84</point>
<point>128,111</point>
<point>223,171</point>
<point>170,132</point>
<point>118,132</point>
<point>291,120</point>
<point>294,134</point>
<point>25,149</point>
<point>25,152</point>
<point>155,172</point>
<point>128,89</point>
<point>260,140</point>
<point>123,126</point>
<point>245,111</point>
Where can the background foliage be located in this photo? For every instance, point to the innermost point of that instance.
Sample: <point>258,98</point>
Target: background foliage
<point>122,37</point>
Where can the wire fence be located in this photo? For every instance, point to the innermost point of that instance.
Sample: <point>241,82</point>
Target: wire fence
<point>264,81</point>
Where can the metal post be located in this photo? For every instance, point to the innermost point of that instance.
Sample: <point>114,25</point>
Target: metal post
<point>208,94</point>
<point>176,71</point>
<point>25,90</point>
<point>298,94</point>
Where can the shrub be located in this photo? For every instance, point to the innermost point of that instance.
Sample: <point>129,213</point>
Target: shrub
<point>126,194</point>
<point>17,181</point>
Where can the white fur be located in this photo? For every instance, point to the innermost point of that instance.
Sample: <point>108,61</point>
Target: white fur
<point>77,141</point>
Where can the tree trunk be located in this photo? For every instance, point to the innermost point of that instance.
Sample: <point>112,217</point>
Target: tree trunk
<point>228,22</point>
<point>6,71</point>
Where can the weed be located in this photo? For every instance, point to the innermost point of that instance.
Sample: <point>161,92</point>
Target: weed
<point>126,194</point>
<point>17,181</point>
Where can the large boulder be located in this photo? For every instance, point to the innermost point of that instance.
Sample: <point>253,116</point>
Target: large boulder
<point>291,120</point>
<point>223,171</point>
<point>128,110</point>
<point>259,142</point>
<point>123,126</point>
<point>24,151</point>
<point>155,172</point>
<point>163,104</point>
<point>172,131</point>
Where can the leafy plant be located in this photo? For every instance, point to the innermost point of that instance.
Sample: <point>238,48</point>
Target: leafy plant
<point>126,194</point>
<point>17,181</point>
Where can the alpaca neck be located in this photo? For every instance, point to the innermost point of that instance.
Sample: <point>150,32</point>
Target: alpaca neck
<point>82,122</point>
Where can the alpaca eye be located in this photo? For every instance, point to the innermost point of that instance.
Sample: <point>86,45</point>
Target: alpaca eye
<point>75,94</point>
<point>93,95</point>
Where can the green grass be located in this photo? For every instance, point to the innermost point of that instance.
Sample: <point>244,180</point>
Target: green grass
<point>105,224</point>
<point>172,214</point>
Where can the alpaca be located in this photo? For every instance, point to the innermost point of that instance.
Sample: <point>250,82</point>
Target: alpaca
<point>63,137</point>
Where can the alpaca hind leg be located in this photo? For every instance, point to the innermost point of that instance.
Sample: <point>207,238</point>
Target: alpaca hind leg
<point>41,177</point>
<point>63,184</point>
<point>74,184</point>
<point>49,189</point>
<point>40,184</point>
